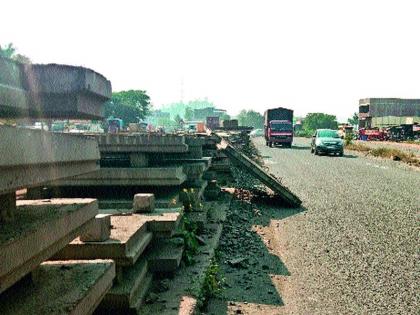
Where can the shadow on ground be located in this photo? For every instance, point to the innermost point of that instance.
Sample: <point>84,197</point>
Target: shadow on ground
<point>245,262</point>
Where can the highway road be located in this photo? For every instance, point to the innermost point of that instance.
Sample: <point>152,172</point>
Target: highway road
<point>354,247</point>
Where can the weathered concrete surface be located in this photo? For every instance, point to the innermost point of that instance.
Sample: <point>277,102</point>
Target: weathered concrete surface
<point>129,238</point>
<point>165,255</point>
<point>163,222</point>
<point>40,229</point>
<point>142,143</point>
<point>97,231</point>
<point>143,203</point>
<point>51,91</point>
<point>151,176</point>
<point>61,287</point>
<point>32,157</point>
<point>139,159</point>
<point>129,292</point>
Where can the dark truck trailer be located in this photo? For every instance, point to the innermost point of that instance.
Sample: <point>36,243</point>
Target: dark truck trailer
<point>278,126</point>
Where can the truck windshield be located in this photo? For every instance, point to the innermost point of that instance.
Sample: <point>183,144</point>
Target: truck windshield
<point>328,134</point>
<point>281,127</point>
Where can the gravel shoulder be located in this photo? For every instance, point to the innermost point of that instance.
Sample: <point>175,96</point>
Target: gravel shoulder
<point>355,248</point>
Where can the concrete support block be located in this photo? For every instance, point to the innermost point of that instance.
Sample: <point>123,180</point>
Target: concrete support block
<point>143,203</point>
<point>139,160</point>
<point>7,207</point>
<point>129,238</point>
<point>99,230</point>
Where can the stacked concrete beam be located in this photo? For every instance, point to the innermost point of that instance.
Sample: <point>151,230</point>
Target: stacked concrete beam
<point>34,230</point>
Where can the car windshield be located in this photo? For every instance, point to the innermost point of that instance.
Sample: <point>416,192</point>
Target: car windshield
<point>281,127</point>
<point>328,134</point>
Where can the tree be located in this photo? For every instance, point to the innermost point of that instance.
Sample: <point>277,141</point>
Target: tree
<point>251,118</point>
<point>224,116</point>
<point>10,52</point>
<point>130,106</point>
<point>354,120</point>
<point>189,113</point>
<point>315,121</point>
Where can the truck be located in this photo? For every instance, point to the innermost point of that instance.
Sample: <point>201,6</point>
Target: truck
<point>278,127</point>
<point>212,122</point>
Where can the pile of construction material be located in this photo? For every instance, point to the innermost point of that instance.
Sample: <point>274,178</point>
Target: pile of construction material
<point>32,231</point>
<point>138,188</point>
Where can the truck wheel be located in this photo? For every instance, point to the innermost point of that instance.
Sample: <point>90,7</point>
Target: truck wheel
<point>270,144</point>
<point>341,153</point>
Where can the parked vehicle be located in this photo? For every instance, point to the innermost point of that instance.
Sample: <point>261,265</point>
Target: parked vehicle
<point>278,126</point>
<point>327,141</point>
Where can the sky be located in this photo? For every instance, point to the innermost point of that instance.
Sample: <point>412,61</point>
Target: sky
<point>310,56</point>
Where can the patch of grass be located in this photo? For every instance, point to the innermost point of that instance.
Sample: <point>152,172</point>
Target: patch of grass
<point>396,155</point>
<point>357,147</point>
<point>387,153</point>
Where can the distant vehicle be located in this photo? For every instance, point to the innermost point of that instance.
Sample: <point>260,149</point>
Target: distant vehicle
<point>278,126</point>
<point>212,122</point>
<point>327,141</point>
<point>257,133</point>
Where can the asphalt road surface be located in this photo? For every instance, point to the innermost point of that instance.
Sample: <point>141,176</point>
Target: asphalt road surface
<point>354,248</point>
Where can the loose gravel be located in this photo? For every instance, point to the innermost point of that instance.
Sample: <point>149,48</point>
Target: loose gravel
<point>355,248</point>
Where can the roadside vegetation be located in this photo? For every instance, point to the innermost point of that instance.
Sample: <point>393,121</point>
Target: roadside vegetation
<point>387,153</point>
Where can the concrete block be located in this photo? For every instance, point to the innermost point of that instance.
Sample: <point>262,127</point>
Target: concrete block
<point>51,91</point>
<point>164,222</point>
<point>129,238</point>
<point>40,229</point>
<point>32,157</point>
<point>62,287</point>
<point>143,203</point>
<point>165,255</point>
<point>99,230</point>
<point>126,293</point>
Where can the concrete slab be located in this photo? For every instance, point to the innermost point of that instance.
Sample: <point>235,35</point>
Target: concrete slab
<point>151,176</point>
<point>70,287</point>
<point>165,255</point>
<point>142,143</point>
<point>40,229</point>
<point>31,157</point>
<point>124,294</point>
<point>163,224</point>
<point>129,238</point>
<point>51,91</point>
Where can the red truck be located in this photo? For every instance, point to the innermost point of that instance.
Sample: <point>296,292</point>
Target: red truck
<point>278,127</point>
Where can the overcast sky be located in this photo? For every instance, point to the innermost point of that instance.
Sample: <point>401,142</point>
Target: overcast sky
<point>311,56</point>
